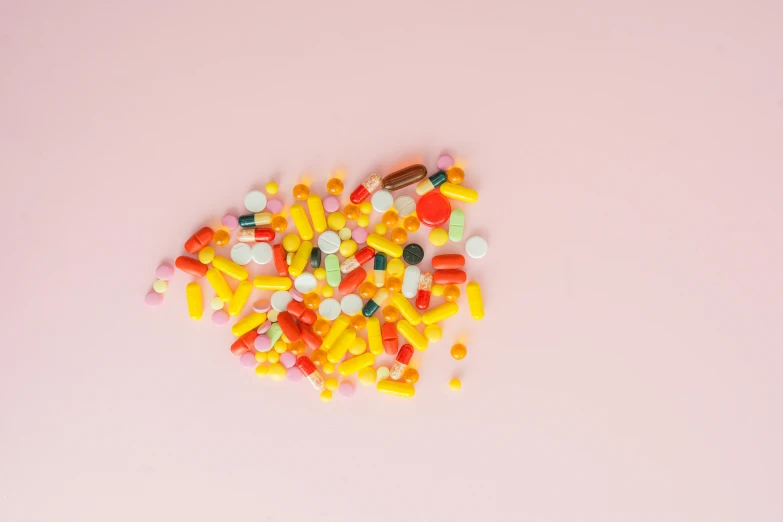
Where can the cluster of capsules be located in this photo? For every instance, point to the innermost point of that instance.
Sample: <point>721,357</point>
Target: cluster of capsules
<point>301,330</point>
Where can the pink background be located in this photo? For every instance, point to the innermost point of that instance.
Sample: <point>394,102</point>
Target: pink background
<point>630,164</point>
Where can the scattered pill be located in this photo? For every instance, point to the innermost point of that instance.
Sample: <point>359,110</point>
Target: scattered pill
<point>404,177</point>
<point>305,283</point>
<point>275,205</point>
<point>367,376</point>
<point>405,206</point>
<point>331,204</point>
<point>205,255</point>
<point>382,201</point>
<point>382,372</point>
<point>164,271</point>
<point>241,253</point>
<point>153,298</point>
<point>346,389</point>
<point>351,304</point>
<point>199,240</point>
<point>247,359</point>
<point>445,161</point>
<point>271,188</point>
<point>433,333</point>
<point>160,286</point>
<point>456,175</point>
<point>280,300</point>
<point>459,192</point>
<point>261,253</point>
<point>359,235</point>
<point>458,351</point>
<point>413,254</point>
<point>217,303</point>
<point>255,201</point>
<point>438,236</point>
<point>455,384</point>
<point>366,188</point>
<point>433,209</point>
<point>230,221</point>
<point>265,326</point>
<point>329,242</point>
<point>456,225</point>
<point>410,281</point>
<point>221,238</point>
<point>329,309</point>
<point>476,247</point>
<point>431,183</point>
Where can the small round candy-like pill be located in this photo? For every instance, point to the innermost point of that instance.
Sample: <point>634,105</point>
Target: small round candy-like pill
<point>329,309</point>
<point>458,351</point>
<point>280,300</point>
<point>390,314</point>
<point>271,188</point>
<point>264,328</point>
<point>336,221</point>
<point>301,192</point>
<point>351,211</point>
<point>358,322</point>
<point>382,201</point>
<point>279,224</point>
<point>255,201</point>
<point>358,347</point>
<point>451,292</point>
<point>221,238</point>
<point>367,376</point>
<point>476,247</point>
<point>216,303</point>
<point>165,271</point>
<point>241,253</point>
<point>413,254</point>
<point>344,233</point>
<point>331,204</point>
<point>312,300</point>
<point>380,229</point>
<point>437,290</point>
<point>262,370</point>
<point>321,327</point>
<point>327,291</point>
<point>305,283</point>
<point>334,186</point>
<point>272,315</point>
<point>160,286</point>
<point>399,235</point>
<point>296,295</point>
<point>247,359</point>
<point>363,220</point>
<point>277,371</point>
<point>410,375</point>
<point>261,253</point>
<point>328,368</point>
<point>262,306</point>
<point>433,333</point>
<point>320,273</point>
<point>405,205</point>
<point>275,205</point>
<point>393,284</point>
<point>260,357</point>
<point>219,317</point>
<point>262,343</point>
<point>230,221</point>
<point>445,161</point>
<point>390,218</point>
<point>382,372</point>
<point>326,395</point>
<point>455,384</point>
<point>367,290</point>
<point>351,304</point>
<point>291,242</point>
<point>395,267</point>
<point>365,207</point>
<point>297,347</point>
<point>438,237</point>
<point>411,224</point>
<point>273,355</point>
<point>318,357</point>
<point>456,175</point>
<point>294,374</point>
<point>206,255</point>
<point>359,235</point>
<point>346,389</point>
<point>287,359</point>
<point>348,248</point>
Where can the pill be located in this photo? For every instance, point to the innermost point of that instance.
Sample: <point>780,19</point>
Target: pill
<point>433,333</point>
<point>274,333</point>
<point>382,372</point>
<point>406,309</point>
<point>272,315</point>
<point>261,253</point>
<point>378,300</point>
<point>382,201</point>
<point>221,238</point>
<point>366,188</point>
<point>458,351</point>
<point>255,235</point>
<point>241,253</point>
<point>476,247</point>
<point>329,242</point>
<point>248,323</point>
<point>219,317</point>
<point>384,245</point>
<point>411,224</point>
<point>355,364</point>
<point>262,305</point>
<point>379,269</point>
<point>272,283</point>
<point>230,268</point>
<point>395,267</point>
<point>287,359</point>
<point>410,282</point>
<point>438,236</point>
<point>308,369</point>
<point>374,336</point>
<point>305,282</point>
<point>265,326</point>
<point>279,257</point>
<point>301,222</point>
<point>424,291</point>
<point>352,263</point>
<point>301,192</point>
<point>255,201</point>
<point>459,192</point>
<point>394,284</point>
<point>445,261</point>
<point>216,303</point>
<point>299,262</point>
<point>326,395</point>
<point>346,389</point>
<point>449,277</point>
<point>351,304</point>
<point>380,229</point>
<point>331,204</point>
<point>391,314</point>
<point>405,206</point>
<point>301,313</point>
<point>367,290</point>
<point>445,162</point>
<point>414,337</point>
<point>404,177</point>
<point>352,281</point>
<point>199,240</point>
<point>433,209</point>
<point>271,188</point>
<point>363,220</point>
<point>401,362</point>
<point>456,175</point>
<point>396,388</point>
<point>316,208</point>
<point>390,338</point>
<point>340,347</point>
<point>399,236</point>
<point>367,376</point>
<point>329,309</point>
<point>245,343</point>
<point>315,257</point>
<point>195,306</point>
<point>247,359</point>
<point>359,235</point>
<point>280,300</point>
<point>429,184</point>
<point>475,301</point>
<point>255,220</point>
<point>288,325</point>
<point>348,247</point>
<point>191,266</point>
<point>334,186</point>
<point>333,274</point>
<point>439,313</point>
<point>413,254</point>
<point>456,225</point>
<point>219,285</point>
<point>241,294</point>
<point>206,255</point>
<point>451,293</point>
<point>293,374</point>
<point>274,205</point>
<point>310,338</point>
<point>455,384</point>
<point>164,271</point>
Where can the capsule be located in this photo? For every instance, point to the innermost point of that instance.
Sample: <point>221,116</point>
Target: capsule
<point>403,358</point>
<point>414,337</point>
<point>315,257</point>
<point>406,309</point>
<point>459,192</point>
<point>240,298</point>
<point>355,364</point>
<point>357,260</point>
<point>247,323</point>
<point>379,269</point>
<point>300,221</point>
<point>230,268</point>
<point>447,261</point>
<point>382,244</point>
<point>272,283</point>
<point>191,266</point>
<point>288,326</point>
<point>439,313</point>
<point>404,177</point>
<point>311,372</point>
<point>410,281</point>
<point>219,285</point>
<point>279,254</point>
<point>456,225</point>
<point>340,348</point>
<point>449,277</point>
<point>390,338</point>
<point>300,312</point>
<point>398,388</point>
<point>475,301</point>
<point>352,281</point>
<point>374,337</point>
<point>310,338</point>
<point>316,208</point>
<point>338,327</point>
<point>245,343</point>
<point>436,180</point>
<point>372,305</point>
<point>299,262</point>
<point>367,187</point>
<point>199,240</point>
<point>274,333</point>
<point>333,275</point>
<point>255,235</point>
<point>424,292</point>
<point>195,306</point>
<point>255,220</point>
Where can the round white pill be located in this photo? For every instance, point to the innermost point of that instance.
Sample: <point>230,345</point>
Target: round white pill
<point>261,253</point>
<point>405,206</point>
<point>329,242</point>
<point>240,253</point>
<point>329,309</point>
<point>382,201</point>
<point>351,304</point>
<point>476,247</point>
<point>255,201</point>
<point>305,283</point>
<point>280,300</point>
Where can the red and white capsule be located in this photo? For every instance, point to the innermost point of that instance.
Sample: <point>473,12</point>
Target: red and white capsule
<point>309,370</point>
<point>403,358</point>
<point>255,235</point>
<point>425,291</point>
<point>357,260</point>
<point>367,187</point>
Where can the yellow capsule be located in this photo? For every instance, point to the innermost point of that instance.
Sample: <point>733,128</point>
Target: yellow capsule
<point>458,192</point>
<point>338,327</point>
<point>367,376</point>
<point>380,229</point>
<point>340,348</point>
<point>348,248</point>
<point>219,285</point>
<point>395,267</point>
<point>279,224</point>
<point>195,306</point>
<point>247,323</point>
<point>240,298</point>
<point>433,333</point>
<point>301,258</point>
<point>300,222</point>
<point>411,224</point>
<point>406,309</point>
<point>414,337</point>
<point>316,207</point>
<point>272,283</point>
<point>336,221</point>
<point>327,291</point>
<point>320,273</point>
<point>363,221</point>
<point>221,238</point>
<point>357,363</point>
<point>437,290</point>
<point>475,302</point>
<point>439,313</point>
<point>398,388</point>
<point>351,212</point>
<point>230,268</point>
<point>358,347</point>
<point>331,384</point>
<point>456,175</point>
<point>291,243</point>
<point>367,290</point>
<point>271,188</point>
<point>390,218</point>
<point>273,356</point>
<point>451,293</point>
<point>382,244</point>
<point>358,322</point>
<point>206,255</point>
<point>334,186</point>
<point>301,192</point>
<point>410,375</point>
<point>365,208</point>
<point>321,327</point>
<point>374,336</point>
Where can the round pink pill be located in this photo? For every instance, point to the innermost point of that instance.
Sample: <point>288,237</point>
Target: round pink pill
<point>230,221</point>
<point>445,161</point>
<point>346,389</point>
<point>262,343</point>
<point>266,325</point>
<point>274,206</point>
<point>294,373</point>
<point>296,295</point>
<point>359,235</point>
<point>164,271</point>
<point>331,204</point>
<point>262,305</point>
<point>219,317</point>
<point>287,359</point>
<point>247,359</point>
<point>153,298</point>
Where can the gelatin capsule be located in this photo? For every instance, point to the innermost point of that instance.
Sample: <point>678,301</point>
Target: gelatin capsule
<point>255,235</point>
<point>199,240</point>
<point>406,309</point>
<point>249,322</point>
<point>382,244</point>
<point>429,184</point>
<point>475,301</point>
<point>241,295</point>
<point>410,281</point>
<point>364,190</point>
<point>288,325</point>
<point>316,208</point>
<point>191,266</point>
<point>459,192</point>
<point>376,302</point>
<point>449,277</point>
<point>352,281</point>
<point>404,177</point>
<point>379,269</point>
<point>255,220</point>
<point>397,388</point>
<point>439,313</point>
<point>338,327</point>
<point>272,283</point>
<point>447,261</point>
<point>195,305</point>
<point>403,358</point>
<point>357,260</point>
<point>219,285</point>
<point>414,337</point>
<point>300,259</point>
<point>279,257</point>
<point>355,364</point>
<point>340,348</point>
<point>374,337</point>
<point>311,372</point>
<point>390,338</point>
<point>230,268</point>
<point>301,223</point>
<point>424,291</point>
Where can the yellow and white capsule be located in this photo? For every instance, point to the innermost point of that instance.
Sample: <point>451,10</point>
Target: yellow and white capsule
<point>230,268</point>
<point>195,306</point>
<point>398,388</point>
<point>219,285</point>
<point>316,207</point>
<point>272,283</point>
<point>240,298</point>
<point>406,309</point>
<point>357,363</point>
<point>300,260</point>
<point>300,221</point>
<point>439,313</point>
<point>413,336</point>
<point>475,301</point>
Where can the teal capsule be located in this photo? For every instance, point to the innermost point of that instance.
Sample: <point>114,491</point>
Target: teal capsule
<point>456,225</point>
<point>254,220</point>
<point>371,306</point>
<point>379,269</point>
<point>333,275</point>
<point>436,180</point>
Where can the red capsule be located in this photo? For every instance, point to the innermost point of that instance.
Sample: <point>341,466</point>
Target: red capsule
<point>352,281</point>
<point>449,277</point>
<point>446,261</point>
<point>191,266</point>
<point>310,338</point>
<point>423,299</point>
<point>288,325</point>
<point>255,235</point>
<point>405,354</point>
<point>245,343</point>
<point>280,263</point>
<point>390,340</point>
<point>301,312</point>
<point>199,240</point>
<point>305,364</point>
<point>367,187</point>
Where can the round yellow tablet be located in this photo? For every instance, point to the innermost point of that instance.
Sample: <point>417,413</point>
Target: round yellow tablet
<point>291,242</point>
<point>260,357</point>
<point>439,237</point>
<point>262,370</point>
<point>358,347</point>
<point>328,368</point>
<point>380,229</point>
<point>365,207</point>
<point>331,384</point>
<point>348,248</point>
<point>437,290</point>
<point>273,356</point>
<point>433,333</point>
<point>336,220</point>
<point>206,255</point>
<point>344,233</point>
<point>326,395</point>
<point>455,384</point>
<point>277,371</point>
<point>160,286</point>
<point>395,267</point>
<point>367,376</point>
<point>320,273</point>
<point>327,291</point>
<point>271,188</point>
<point>382,372</point>
<point>281,346</point>
<point>363,220</point>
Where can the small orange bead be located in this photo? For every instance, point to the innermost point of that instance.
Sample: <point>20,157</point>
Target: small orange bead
<point>399,236</point>
<point>301,192</point>
<point>297,347</point>
<point>456,175</point>
<point>351,211</point>
<point>390,314</point>
<point>319,357</point>
<point>334,186</point>
<point>358,322</point>
<point>410,375</point>
<point>451,293</point>
<point>411,223</point>
<point>393,284</point>
<point>390,218</point>
<point>311,300</point>
<point>367,290</point>
<point>221,238</point>
<point>279,224</point>
<point>321,327</point>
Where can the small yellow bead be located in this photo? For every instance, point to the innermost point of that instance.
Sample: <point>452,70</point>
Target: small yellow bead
<point>399,236</point>
<point>262,370</point>
<point>456,175</point>
<point>458,351</point>
<point>311,300</point>
<point>273,356</point>
<point>326,395</point>
<point>328,368</point>
<point>320,273</point>
<point>358,347</point>
<point>279,224</point>
<point>411,224</point>
<point>390,218</point>
<point>451,292</point>
<point>331,384</point>
<point>395,267</point>
<point>291,242</point>
<point>358,322</point>
<point>367,376</point>
<point>380,229</point>
<point>321,327</point>
<point>348,248</point>
<point>410,375</point>
<point>160,286</point>
<point>327,291</point>
<point>437,290</point>
<point>455,384</point>
<point>433,333</point>
<point>206,255</point>
<point>271,188</point>
<point>363,221</point>
<point>281,346</point>
<point>334,186</point>
<point>336,221</point>
<point>221,238</point>
<point>344,234</point>
<point>301,192</point>
<point>393,284</point>
<point>260,357</point>
<point>365,208</point>
<point>351,212</point>
<point>367,290</point>
<point>439,237</point>
<point>277,371</point>
<point>390,314</point>
<point>318,357</point>
<point>382,372</point>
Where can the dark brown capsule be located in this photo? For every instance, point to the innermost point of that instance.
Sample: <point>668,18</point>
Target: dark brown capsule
<point>404,177</point>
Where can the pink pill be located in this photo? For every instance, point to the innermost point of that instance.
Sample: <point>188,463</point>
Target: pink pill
<point>359,235</point>
<point>153,298</point>
<point>445,161</point>
<point>230,221</point>
<point>164,271</point>
<point>294,373</point>
<point>346,389</point>
<point>266,325</point>
<point>296,295</point>
<point>331,204</point>
<point>248,359</point>
<point>219,317</point>
<point>262,305</point>
<point>262,343</point>
<point>274,206</point>
<point>287,359</point>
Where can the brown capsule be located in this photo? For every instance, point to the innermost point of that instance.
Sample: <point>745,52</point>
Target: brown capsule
<point>404,177</point>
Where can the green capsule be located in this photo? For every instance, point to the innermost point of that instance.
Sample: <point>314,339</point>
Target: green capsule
<point>333,275</point>
<point>456,225</point>
<point>274,333</point>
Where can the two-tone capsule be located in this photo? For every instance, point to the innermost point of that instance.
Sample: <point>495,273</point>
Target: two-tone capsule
<point>255,235</point>
<point>357,260</point>
<point>311,372</point>
<point>431,183</point>
<point>403,358</point>
<point>379,269</point>
<point>424,291</point>
<point>378,300</point>
<point>255,220</point>
<point>367,187</point>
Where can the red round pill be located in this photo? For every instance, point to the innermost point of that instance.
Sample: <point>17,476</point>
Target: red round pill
<point>433,209</point>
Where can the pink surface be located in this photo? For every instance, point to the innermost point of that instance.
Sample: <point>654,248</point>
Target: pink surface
<point>630,163</point>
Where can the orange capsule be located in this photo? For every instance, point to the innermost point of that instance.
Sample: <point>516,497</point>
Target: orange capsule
<point>312,300</point>
<point>393,284</point>
<point>279,257</point>
<point>446,261</point>
<point>456,175</point>
<point>321,327</point>
<point>199,240</point>
<point>390,218</point>
<point>449,277</point>
<point>352,281</point>
<point>367,290</point>
<point>221,238</point>
<point>301,312</point>
<point>297,347</point>
<point>319,357</point>
<point>191,266</point>
<point>390,314</point>
<point>244,343</point>
<point>310,338</point>
<point>411,224</point>
<point>287,323</point>
<point>451,293</point>
<point>399,235</point>
<point>390,339</point>
<point>334,186</point>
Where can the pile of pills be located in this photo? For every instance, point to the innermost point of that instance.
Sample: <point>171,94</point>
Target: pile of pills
<point>336,297</point>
